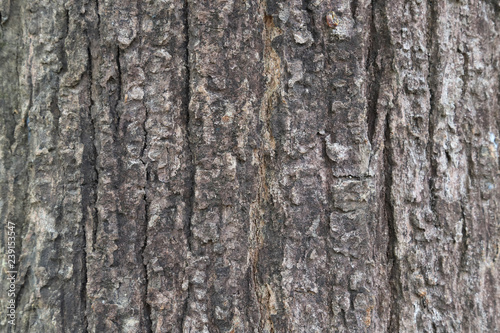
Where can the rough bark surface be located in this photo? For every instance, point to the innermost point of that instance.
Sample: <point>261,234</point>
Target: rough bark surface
<point>240,166</point>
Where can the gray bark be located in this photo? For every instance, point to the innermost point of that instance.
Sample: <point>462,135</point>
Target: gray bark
<point>240,166</point>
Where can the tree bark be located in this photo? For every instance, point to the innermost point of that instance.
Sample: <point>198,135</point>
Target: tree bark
<point>241,166</point>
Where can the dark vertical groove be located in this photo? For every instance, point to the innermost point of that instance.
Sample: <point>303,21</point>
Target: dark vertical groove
<point>354,8</point>
<point>465,76</point>
<point>147,306</point>
<point>496,6</point>
<point>98,18</point>
<point>391,223</point>
<point>92,189</point>
<point>83,288</point>
<point>191,184</point>
<point>381,50</point>
<point>92,170</point>
<point>93,153</point>
<point>374,74</point>
<point>464,246</point>
<point>344,317</point>
<point>192,169</point>
<point>433,59</point>
<point>118,93</point>
<point>64,60</point>
<point>308,7</point>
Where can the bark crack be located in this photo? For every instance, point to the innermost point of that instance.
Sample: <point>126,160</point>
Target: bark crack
<point>465,76</point>
<point>147,306</point>
<point>431,79</point>
<point>63,57</point>
<point>191,185</point>
<point>92,173</point>
<point>118,93</point>
<point>464,246</point>
<point>190,156</point>
<point>354,8</point>
<point>380,38</point>
<point>374,75</point>
<point>391,223</point>
<point>93,187</point>
<point>98,18</point>
<point>94,151</point>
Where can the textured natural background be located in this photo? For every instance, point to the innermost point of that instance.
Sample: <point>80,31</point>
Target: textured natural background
<point>239,166</point>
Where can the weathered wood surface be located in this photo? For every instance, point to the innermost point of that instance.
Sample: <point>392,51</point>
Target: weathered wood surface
<point>239,166</point>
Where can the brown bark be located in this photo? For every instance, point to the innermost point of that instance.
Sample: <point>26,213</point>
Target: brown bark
<point>240,166</point>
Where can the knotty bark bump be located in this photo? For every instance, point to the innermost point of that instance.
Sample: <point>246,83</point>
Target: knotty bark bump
<point>244,166</point>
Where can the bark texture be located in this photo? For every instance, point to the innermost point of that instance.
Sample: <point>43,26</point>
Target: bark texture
<point>240,166</point>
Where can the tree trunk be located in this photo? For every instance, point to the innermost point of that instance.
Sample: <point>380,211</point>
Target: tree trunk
<point>241,166</point>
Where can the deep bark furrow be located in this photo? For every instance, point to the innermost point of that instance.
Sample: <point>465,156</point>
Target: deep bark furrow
<point>432,78</point>
<point>374,74</point>
<point>118,95</point>
<point>392,259</point>
<point>147,307</point>
<point>92,170</point>
<point>191,182</point>
<point>147,203</point>
<point>192,158</point>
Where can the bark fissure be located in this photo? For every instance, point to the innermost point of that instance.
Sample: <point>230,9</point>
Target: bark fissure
<point>308,6</point>
<point>93,157</point>
<point>93,170</point>
<point>118,94</point>
<point>392,229</point>
<point>464,247</point>
<point>354,8</point>
<point>432,82</point>
<point>191,158</point>
<point>147,306</point>
<point>83,291</point>
<point>374,75</point>
<point>63,57</point>
<point>465,76</point>
<point>98,26</point>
